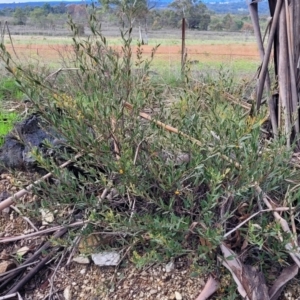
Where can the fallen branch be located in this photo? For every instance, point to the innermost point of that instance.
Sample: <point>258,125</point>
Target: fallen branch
<point>6,279</point>
<point>20,267</point>
<point>75,244</point>
<point>41,232</point>
<point>32,272</point>
<point>11,296</point>
<point>10,200</point>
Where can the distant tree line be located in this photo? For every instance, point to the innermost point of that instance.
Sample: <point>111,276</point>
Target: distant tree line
<point>145,15</point>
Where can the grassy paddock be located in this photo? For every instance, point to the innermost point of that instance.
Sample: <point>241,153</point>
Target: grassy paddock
<point>206,49</point>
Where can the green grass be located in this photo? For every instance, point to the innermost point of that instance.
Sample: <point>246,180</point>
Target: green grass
<point>39,40</point>
<point>191,39</point>
<point>7,121</point>
<point>172,68</point>
<point>9,90</point>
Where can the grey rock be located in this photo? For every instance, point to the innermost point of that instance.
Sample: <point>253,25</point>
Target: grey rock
<point>170,267</point>
<point>106,258</point>
<point>81,260</point>
<point>16,150</point>
<point>178,296</point>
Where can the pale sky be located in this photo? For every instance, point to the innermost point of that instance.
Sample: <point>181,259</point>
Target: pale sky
<point>24,1</point>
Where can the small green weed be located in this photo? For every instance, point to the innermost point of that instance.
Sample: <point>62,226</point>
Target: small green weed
<point>9,90</point>
<point>7,121</point>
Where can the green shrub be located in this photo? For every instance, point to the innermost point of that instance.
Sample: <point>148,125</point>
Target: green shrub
<point>157,204</point>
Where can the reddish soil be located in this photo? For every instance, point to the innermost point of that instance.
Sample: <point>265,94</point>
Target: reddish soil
<point>203,52</point>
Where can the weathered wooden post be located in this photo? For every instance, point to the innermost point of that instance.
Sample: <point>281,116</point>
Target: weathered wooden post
<point>284,41</point>
<point>183,46</point>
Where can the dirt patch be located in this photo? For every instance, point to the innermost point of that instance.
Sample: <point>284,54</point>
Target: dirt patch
<point>223,52</point>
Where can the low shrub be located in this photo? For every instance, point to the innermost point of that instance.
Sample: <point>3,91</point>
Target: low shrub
<point>155,191</point>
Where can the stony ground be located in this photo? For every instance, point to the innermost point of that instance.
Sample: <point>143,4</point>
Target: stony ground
<point>83,279</point>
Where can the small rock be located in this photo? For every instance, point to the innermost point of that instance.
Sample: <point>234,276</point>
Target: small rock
<point>47,216</point>
<point>83,260</point>
<point>68,293</point>
<point>6,211</point>
<point>22,251</point>
<point>83,271</point>
<point>178,296</point>
<point>170,267</point>
<point>88,244</point>
<point>6,265</point>
<point>4,255</point>
<point>106,258</point>
<point>152,292</point>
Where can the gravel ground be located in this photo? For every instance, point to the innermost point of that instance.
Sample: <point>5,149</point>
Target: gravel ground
<point>172,280</point>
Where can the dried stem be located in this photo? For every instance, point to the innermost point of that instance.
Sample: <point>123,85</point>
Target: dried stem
<point>292,246</point>
<point>175,130</point>
<point>9,201</point>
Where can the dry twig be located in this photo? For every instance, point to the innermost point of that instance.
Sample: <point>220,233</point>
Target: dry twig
<point>254,215</point>
<point>32,272</point>
<point>24,218</point>
<point>292,246</point>
<point>175,130</point>
<point>11,296</point>
<point>6,279</point>
<point>10,200</point>
<point>41,232</point>
<point>54,274</point>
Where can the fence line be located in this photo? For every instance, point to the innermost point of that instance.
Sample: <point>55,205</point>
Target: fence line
<point>56,49</point>
<point>168,59</point>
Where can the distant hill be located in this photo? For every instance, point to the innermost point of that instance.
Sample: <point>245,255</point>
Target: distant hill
<point>41,3</point>
<point>234,6</point>
<point>218,6</point>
